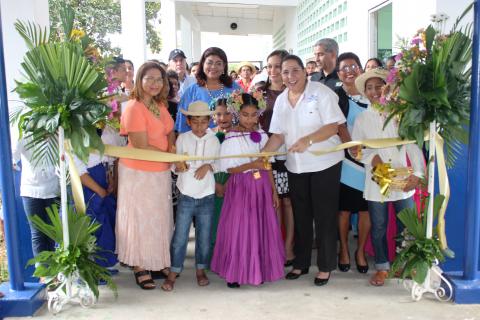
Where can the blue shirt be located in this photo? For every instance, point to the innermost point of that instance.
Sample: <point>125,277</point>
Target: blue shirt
<point>198,93</point>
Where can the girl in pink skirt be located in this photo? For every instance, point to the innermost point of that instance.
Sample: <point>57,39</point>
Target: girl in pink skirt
<point>249,247</point>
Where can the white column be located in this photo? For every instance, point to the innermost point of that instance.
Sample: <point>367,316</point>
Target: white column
<point>168,28</point>
<point>185,42</point>
<point>134,41</point>
<point>14,47</point>
<point>196,45</point>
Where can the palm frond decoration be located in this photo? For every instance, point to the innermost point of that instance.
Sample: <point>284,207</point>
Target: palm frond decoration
<point>61,87</point>
<point>80,253</point>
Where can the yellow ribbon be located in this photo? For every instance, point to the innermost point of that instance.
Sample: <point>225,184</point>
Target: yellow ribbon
<point>150,155</point>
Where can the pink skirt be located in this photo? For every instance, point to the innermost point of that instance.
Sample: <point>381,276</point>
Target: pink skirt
<point>144,218</point>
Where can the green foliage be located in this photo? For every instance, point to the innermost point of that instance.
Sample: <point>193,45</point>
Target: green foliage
<point>433,84</point>
<point>80,254</point>
<point>61,87</point>
<point>97,17</point>
<point>154,41</point>
<point>419,253</point>
<point>102,17</point>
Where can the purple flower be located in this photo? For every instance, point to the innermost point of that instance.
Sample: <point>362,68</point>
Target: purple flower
<point>392,76</point>
<point>383,100</point>
<point>255,136</point>
<point>399,56</point>
<point>416,41</point>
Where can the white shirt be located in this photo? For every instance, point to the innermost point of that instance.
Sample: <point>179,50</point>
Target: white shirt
<point>240,143</point>
<point>369,125</point>
<point>316,107</point>
<point>109,136</point>
<point>38,181</point>
<point>206,146</point>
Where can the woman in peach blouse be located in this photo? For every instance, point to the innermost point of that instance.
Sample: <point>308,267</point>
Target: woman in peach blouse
<point>144,214</point>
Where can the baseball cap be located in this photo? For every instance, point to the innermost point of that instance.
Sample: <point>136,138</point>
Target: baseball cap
<point>175,53</point>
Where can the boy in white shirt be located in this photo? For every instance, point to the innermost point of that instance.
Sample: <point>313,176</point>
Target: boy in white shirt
<point>371,125</point>
<point>196,183</point>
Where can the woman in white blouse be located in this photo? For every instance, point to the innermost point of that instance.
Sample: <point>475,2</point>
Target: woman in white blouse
<point>371,125</point>
<point>306,117</point>
<point>39,189</point>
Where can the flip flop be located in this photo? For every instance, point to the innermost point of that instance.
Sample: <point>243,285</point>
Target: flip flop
<point>202,280</point>
<point>168,285</point>
<point>378,279</point>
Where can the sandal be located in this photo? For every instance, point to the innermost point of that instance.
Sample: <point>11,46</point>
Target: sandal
<point>202,280</point>
<point>378,279</point>
<point>168,285</point>
<point>147,284</point>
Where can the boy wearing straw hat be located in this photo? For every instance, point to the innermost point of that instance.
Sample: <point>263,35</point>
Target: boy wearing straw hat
<point>197,189</point>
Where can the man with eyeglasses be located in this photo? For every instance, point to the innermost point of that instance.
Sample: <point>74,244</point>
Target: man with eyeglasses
<point>177,61</point>
<point>326,52</point>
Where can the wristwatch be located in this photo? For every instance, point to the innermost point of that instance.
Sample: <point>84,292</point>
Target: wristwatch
<point>310,142</point>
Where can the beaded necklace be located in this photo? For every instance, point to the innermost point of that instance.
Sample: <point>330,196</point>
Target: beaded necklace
<point>215,98</point>
<point>152,106</point>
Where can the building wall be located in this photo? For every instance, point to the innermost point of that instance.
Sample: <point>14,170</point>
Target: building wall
<point>285,29</point>
<point>351,22</point>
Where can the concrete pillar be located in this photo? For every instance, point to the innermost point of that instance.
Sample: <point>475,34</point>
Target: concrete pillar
<point>196,45</point>
<point>31,10</point>
<point>185,41</point>
<point>134,39</point>
<point>168,28</point>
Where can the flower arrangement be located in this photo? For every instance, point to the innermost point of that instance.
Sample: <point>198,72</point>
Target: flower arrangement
<point>431,82</point>
<point>235,100</point>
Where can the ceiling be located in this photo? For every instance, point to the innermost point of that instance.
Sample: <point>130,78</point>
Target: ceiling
<point>238,11</point>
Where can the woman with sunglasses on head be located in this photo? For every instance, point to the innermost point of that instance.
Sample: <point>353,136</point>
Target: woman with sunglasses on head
<point>213,83</point>
<point>352,180</point>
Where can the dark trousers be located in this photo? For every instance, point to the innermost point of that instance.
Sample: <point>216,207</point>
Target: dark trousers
<point>315,197</point>
<point>32,207</point>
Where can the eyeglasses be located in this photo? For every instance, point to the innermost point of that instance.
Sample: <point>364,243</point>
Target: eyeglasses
<point>293,72</point>
<point>352,68</point>
<point>150,80</point>
<point>217,64</point>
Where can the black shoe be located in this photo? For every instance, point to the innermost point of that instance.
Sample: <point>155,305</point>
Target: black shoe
<point>292,275</point>
<point>233,285</point>
<point>288,263</point>
<point>162,274</point>
<point>321,282</point>
<point>361,269</point>
<point>343,267</point>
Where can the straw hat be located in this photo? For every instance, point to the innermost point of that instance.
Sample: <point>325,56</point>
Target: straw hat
<point>245,64</point>
<point>197,109</point>
<point>372,73</point>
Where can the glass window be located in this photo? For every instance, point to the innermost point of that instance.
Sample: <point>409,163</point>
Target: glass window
<point>345,36</point>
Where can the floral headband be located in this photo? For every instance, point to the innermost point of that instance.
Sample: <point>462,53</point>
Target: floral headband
<point>235,101</point>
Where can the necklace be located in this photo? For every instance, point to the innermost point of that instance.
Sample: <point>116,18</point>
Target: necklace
<point>152,106</point>
<point>212,97</point>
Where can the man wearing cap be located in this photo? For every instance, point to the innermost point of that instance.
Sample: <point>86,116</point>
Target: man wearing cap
<point>326,53</point>
<point>246,72</point>
<point>177,61</point>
